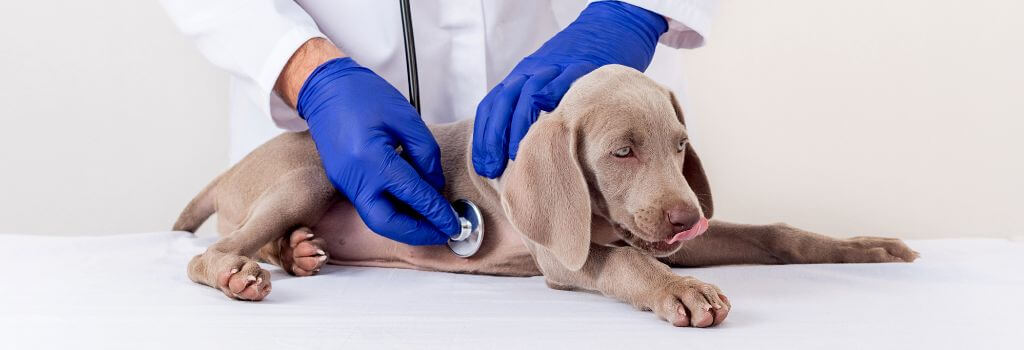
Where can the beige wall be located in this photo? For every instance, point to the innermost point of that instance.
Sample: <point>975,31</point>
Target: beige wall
<point>854,117</point>
<point>111,119</point>
<point>865,117</point>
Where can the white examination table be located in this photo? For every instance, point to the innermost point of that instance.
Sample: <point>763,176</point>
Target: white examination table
<point>131,291</point>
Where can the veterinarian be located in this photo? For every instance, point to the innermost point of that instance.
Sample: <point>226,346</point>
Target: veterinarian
<point>332,67</point>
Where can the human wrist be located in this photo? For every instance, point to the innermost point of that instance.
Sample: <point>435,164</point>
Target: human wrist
<point>326,81</point>
<point>649,24</point>
<point>312,54</point>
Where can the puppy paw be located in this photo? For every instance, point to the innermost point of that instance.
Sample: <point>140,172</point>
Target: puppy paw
<point>874,250</point>
<point>688,302</point>
<point>242,278</point>
<point>301,253</point>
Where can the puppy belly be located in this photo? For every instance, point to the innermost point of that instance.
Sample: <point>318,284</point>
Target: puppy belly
<point>350,242</point>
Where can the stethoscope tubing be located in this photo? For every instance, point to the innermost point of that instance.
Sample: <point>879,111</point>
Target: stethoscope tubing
<point>469,240</point>
<point>410,55</point>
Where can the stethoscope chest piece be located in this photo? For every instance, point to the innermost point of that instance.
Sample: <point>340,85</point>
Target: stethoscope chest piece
<point>471,237</point>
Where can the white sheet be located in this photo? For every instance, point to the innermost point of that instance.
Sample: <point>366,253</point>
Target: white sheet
<point>128,291</point>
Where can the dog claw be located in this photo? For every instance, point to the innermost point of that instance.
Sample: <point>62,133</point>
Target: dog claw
<point>250,278</point>
<point>234,271</point>
<point>320,252</point>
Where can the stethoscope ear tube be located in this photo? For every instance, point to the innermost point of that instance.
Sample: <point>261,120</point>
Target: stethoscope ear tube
<point>410,55</point>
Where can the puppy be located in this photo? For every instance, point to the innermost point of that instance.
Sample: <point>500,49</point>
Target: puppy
<point>606,194</point>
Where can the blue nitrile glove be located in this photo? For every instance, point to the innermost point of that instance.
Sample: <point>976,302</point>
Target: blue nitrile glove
<point>357,119</point>
<point>608,32</point>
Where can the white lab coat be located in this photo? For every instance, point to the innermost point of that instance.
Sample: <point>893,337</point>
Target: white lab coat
<point>464,47</point>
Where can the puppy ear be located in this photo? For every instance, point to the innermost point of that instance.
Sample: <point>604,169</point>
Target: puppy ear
<point>693,170</point>
<point>545,193</point>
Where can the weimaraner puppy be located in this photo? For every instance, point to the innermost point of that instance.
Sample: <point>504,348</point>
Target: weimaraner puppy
<point>605,195</point>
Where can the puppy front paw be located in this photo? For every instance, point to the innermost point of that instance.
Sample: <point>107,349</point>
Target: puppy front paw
<point>865,249</point>
<point>686,301</point>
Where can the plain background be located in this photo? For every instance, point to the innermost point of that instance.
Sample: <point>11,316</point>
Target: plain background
<point>898,118</point>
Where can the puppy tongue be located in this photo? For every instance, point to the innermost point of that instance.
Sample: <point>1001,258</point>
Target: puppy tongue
<point>693,232</point>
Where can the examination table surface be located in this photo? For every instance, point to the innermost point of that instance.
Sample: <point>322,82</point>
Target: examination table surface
<point>131,291</point>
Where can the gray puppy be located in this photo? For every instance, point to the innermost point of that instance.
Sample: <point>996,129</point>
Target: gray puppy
<point>605,195</point>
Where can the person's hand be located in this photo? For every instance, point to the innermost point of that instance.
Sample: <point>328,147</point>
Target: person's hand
<point>607,32</point>
<point>357,120</point>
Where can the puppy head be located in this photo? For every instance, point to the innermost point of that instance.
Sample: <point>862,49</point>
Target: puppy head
<point>615,149</point>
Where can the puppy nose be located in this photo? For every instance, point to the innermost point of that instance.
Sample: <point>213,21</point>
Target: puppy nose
<point>681,219</point>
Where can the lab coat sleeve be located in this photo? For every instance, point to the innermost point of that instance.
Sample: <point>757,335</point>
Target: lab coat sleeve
<point>689,21</point>
<point>252,40</point>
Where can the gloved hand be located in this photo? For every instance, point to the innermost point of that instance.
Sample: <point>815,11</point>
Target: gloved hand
<point>357,119</point>
<point>608,32</point>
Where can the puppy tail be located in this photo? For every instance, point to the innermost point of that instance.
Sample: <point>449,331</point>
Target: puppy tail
<point>198,210</point>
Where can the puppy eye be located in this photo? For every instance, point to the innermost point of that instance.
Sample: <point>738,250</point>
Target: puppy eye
<point>681,146</point>
<point>623,152</point>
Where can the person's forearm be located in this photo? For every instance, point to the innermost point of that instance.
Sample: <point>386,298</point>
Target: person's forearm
<point>310,55</point>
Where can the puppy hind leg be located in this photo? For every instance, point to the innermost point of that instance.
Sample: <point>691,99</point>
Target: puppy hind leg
<point>299,253</point>
<point>228,265</point>
<point>236,276</point>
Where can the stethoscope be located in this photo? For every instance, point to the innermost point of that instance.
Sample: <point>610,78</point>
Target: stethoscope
<point>471,235</point>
